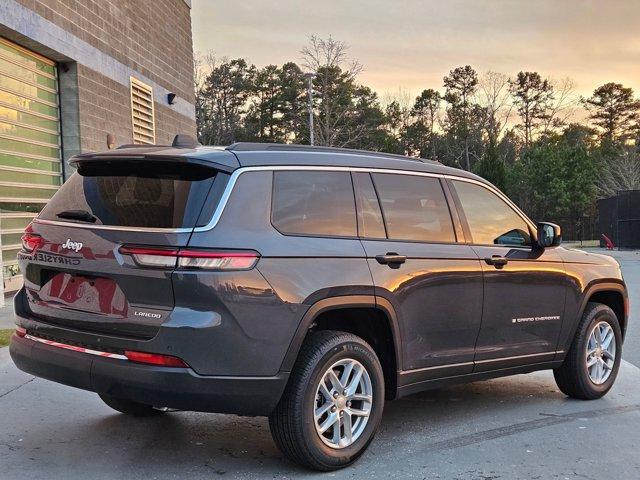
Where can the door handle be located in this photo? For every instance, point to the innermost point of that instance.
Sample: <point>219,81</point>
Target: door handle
<point>496,260</point>
<point>392,259</point>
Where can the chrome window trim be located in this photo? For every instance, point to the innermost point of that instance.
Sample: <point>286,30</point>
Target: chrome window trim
<point>217,214</point>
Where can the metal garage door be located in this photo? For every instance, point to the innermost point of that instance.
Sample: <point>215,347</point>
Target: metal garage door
<point>30,168</point>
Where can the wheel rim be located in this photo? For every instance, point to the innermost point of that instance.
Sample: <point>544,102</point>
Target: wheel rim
<point>601,353</point>
<point>343,403</point>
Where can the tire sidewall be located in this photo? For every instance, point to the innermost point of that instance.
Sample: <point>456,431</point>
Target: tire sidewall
<point>343,456</point>
<point>600,315</point>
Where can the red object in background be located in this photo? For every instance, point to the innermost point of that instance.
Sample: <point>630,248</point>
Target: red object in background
<point>607,242</point>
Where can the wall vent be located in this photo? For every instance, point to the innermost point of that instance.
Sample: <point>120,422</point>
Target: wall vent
<point>142,115</point>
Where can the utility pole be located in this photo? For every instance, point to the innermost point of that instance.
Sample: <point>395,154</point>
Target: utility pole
<point>310,76</point>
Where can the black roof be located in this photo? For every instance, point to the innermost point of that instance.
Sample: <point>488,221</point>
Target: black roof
<point>246,154</point>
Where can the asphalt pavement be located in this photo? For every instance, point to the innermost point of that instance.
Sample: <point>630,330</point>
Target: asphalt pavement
<point>518,427</point>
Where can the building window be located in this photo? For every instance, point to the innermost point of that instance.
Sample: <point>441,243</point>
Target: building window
<point>142,117</point>
<point>30,167</point>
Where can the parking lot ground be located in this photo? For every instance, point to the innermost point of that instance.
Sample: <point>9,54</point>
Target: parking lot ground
<point>512,428</point>
<point>519,427</point>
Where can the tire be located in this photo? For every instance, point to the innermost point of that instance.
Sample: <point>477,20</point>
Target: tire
<point>573,376</point>
<point>129,407</point>
<point>292,423</point>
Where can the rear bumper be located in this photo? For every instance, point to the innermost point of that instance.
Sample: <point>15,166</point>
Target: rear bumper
<point>179,388</point>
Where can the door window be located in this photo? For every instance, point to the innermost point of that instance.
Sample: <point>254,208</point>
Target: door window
<point>491,220</point>
<point>414,207</point>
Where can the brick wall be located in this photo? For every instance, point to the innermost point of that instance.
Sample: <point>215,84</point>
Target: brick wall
<point>151,37</point>
<point>104,107</point>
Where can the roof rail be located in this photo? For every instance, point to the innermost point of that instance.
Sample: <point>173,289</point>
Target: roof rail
<point>255,146</point>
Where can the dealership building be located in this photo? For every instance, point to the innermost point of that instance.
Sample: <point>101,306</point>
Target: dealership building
<point>78,76</point>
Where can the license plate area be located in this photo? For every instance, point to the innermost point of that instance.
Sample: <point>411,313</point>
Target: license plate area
<point>96,295</point>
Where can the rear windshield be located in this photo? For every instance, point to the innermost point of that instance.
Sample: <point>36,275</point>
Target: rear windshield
<point>133,194</point>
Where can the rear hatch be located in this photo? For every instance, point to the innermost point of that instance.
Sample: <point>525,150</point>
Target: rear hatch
<point>75,272</point>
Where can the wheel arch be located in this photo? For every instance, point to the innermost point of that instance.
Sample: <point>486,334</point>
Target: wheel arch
<point>611,294</point>
<point>351,314</point>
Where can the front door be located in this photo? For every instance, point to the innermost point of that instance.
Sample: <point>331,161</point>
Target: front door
<point>524,288</point>
<point>433,283</point>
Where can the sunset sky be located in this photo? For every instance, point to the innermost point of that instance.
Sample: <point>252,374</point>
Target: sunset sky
<point>412,44</point>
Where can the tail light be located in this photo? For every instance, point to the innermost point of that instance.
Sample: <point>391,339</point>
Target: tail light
<point>191,258</point>
<point>152,257</point>
<point>31,241</point>
<point>155,359</point>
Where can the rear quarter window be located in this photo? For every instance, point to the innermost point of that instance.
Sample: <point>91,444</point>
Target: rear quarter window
<point>314,203</point>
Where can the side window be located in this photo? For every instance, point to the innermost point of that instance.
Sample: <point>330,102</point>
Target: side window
<point>414,208</point>
<point>491,220</point>
<point>314,203</point>
<point>370,222</point>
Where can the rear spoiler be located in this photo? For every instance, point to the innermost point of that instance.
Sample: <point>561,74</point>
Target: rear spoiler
<point>217,159</point>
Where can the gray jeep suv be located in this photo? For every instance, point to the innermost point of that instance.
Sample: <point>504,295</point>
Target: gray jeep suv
<point>304,284</point>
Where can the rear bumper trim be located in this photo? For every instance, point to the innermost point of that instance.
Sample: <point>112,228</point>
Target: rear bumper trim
<point>89,351</point>
<point>179,388</point>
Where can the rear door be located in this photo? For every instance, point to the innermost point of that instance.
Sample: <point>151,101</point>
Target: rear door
<point>434,283</point>
<point>524,288</point>
<point>76,276</point>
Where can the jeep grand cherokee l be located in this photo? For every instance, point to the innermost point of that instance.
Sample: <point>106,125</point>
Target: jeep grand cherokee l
<point>304,284</point>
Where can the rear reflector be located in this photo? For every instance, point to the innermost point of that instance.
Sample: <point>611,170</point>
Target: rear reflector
<point>155,359</point>
<point>191,259</point>
<point>21,332</point>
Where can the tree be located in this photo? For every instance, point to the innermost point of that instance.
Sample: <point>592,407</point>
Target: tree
<point>560,107</point>
<point>461,84</point>
<point>494,97</point>
<point>221,101</point>
<point>532,97</point>
<point>618,175</point>
<point>293,104</point>
<point>396,124</point>
<point>262,121</point>
<point>556,177</point>
<point>492,167</point>
<point>495,101</point>
<point>334,85</point>
<point>425,111</point>
<point>614,110</point>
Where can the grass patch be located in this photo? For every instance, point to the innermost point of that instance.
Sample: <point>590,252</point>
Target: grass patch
<point>5,335</point>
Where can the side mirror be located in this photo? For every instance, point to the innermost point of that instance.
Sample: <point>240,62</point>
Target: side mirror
<point>549,235</point>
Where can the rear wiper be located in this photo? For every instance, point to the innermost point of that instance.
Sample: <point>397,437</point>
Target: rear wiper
<point>81,215</point>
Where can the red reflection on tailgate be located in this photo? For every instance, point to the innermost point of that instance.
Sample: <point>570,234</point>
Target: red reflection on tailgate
<point>95,295</point>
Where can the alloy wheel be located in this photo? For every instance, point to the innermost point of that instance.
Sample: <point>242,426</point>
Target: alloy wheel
<point>343,403</point>
<point>601,353</point>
